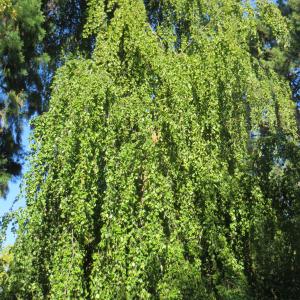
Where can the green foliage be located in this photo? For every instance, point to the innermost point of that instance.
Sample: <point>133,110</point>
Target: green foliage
<point>145,182</point>
<point>287,61</point>
<point>5,262</point>
<point>278,168</point>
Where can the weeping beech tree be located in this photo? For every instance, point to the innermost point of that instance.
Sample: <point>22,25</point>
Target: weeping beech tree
<point>146,177</point>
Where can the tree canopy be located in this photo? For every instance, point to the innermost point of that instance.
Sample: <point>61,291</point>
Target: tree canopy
<point>167,166</point>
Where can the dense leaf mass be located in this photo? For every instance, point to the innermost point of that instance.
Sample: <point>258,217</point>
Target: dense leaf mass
<point>163,167</point>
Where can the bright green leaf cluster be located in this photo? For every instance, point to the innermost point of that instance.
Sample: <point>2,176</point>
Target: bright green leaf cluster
<point>143,180</point>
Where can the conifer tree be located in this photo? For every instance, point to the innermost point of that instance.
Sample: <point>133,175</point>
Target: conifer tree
<point>147,174</point>
<point>36,37</point>
<point>20,32</point>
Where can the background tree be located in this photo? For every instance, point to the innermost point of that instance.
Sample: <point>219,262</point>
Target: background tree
<point>277,163</point>
<point>20,31</point>
<point>36,37</point>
